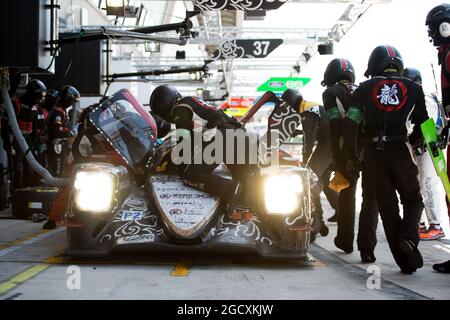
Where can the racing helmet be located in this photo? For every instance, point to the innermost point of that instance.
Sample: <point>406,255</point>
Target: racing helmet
<point>338,69</point>
<point>413,74</point>
<point>162,100</point>
<point>162,125</point>
<point>51,99</point>
<point>292,98</point>
<point>382,58</point>
<point>438,23</point>
<point>69,95</point>
<point>35,90</point>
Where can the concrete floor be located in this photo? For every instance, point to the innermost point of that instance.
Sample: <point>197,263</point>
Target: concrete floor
<point>32,267</point>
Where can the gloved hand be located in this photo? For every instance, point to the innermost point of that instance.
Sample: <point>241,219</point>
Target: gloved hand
<point>73,132</point>
<point>41,148</point>
<point>443,137</point>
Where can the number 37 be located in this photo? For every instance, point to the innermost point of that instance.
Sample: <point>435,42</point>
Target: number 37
<point>261,47</point>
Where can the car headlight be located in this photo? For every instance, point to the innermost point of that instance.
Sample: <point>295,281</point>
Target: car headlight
<point>281,193</point>
<point>94,191</point>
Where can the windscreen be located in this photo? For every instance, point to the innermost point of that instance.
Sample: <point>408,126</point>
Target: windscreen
<point>127,127</point>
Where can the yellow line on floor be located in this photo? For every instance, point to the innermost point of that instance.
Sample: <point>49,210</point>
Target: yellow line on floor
<point>319,264</point>
<point>22,277</point>
<point>18,241</point>
<point>181,269</point>
<point>27,241</point>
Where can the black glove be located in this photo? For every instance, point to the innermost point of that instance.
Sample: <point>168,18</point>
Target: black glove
<point>351,170</point>
<point>7,146</point>
<point>443,138</point>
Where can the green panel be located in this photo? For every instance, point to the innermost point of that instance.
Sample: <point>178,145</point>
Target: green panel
<point>333,114</point>
<point>431,138</point>
<point>280,84</point>
<point>355,114</point>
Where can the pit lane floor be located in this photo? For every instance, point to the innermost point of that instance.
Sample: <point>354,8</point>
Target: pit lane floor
<point>32,267</point>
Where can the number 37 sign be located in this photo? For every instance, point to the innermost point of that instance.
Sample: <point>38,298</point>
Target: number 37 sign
<point>246,48</point>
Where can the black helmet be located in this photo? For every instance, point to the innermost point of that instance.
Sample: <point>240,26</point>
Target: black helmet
<point>162,100</point>
<point>51,99</point>
<point>413,74</point>
<point>438,22</point>
<point>68,96</point>
<point>35,90</point>
<point>338,70</point>
<point>292,97</point>
<point>382,58</point>
<point>162,125</point>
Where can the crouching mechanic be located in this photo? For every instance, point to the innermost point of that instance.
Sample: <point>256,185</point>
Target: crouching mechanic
<point>167,103</point>
<point>432,190</point>
<point>384,104</point>
<point>315,130</point>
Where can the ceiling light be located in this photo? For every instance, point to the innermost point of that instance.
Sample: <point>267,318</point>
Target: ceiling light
<point>115,8</point>
<point>326,48</point>
<point>180,55</point>
<point>152,46</point>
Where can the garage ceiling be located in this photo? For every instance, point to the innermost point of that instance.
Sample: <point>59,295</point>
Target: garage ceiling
<point>301,24</point>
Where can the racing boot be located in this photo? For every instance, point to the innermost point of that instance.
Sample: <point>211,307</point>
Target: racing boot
<point>323,229</point>
<point>340,245</point>
<point>367,256</point>
<point>333,218</point>
<point>414,259</point>
<point>49,225</point>
<point>442,267</point>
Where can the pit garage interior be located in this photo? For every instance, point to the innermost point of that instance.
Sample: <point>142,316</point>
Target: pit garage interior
<point>196,49</point>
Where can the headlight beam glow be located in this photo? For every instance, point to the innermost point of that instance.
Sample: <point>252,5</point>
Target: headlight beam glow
<point>281,193</point>
<point>94,191</point>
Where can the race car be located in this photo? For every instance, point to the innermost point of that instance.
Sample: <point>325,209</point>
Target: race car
<point>140,203</point>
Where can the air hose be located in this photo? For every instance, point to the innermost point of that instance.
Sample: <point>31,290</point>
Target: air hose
<point>48,178</point>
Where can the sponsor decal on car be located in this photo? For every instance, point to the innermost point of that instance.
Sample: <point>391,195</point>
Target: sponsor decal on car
<point>131,215</point>
<point>136,239</point>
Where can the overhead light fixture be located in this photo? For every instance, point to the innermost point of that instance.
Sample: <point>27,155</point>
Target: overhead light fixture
<point>180,55</point>
<point>131,12</point>
<point>152,46</point>
<point>115,8</point>
<point>307,56</point>
<point>326,48</point>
